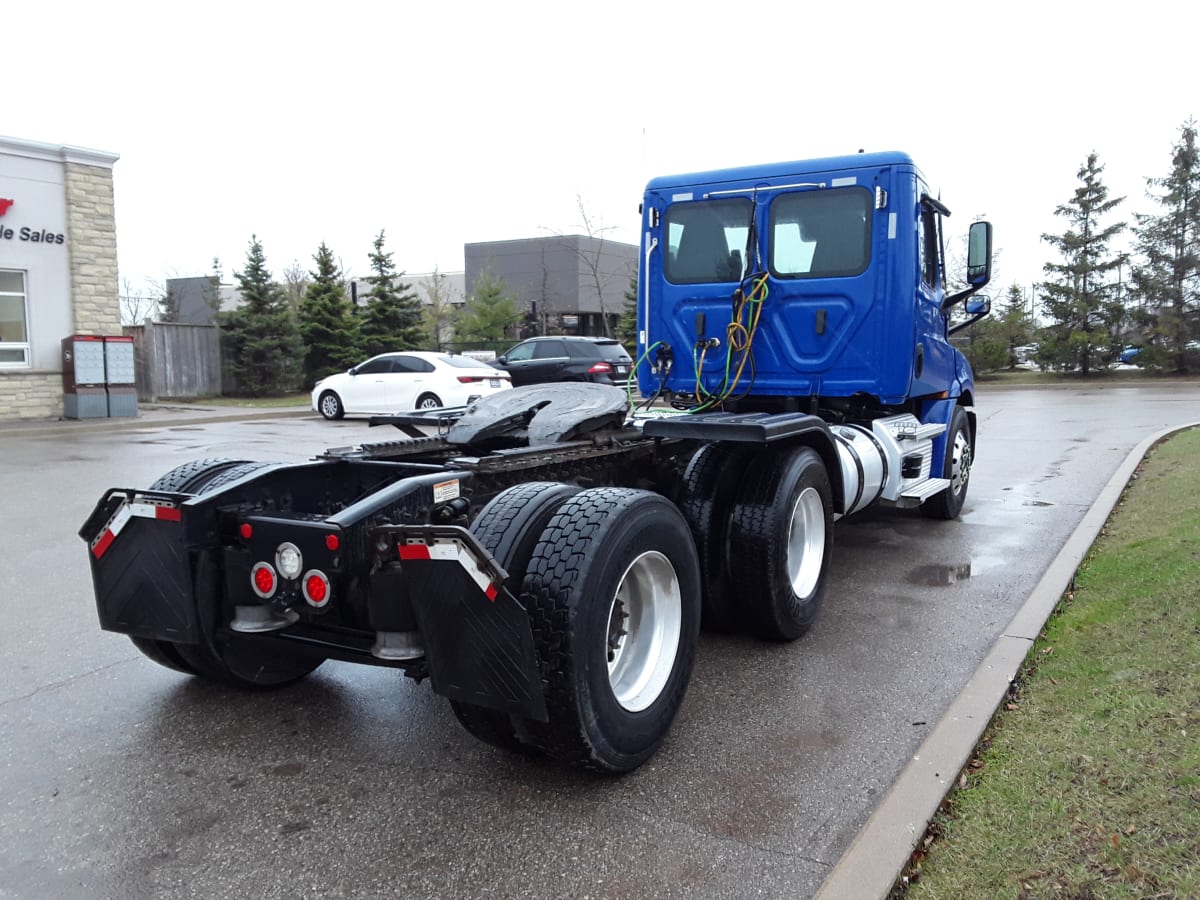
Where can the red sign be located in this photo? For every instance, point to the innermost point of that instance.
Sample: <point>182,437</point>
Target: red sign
<point>4,205</point>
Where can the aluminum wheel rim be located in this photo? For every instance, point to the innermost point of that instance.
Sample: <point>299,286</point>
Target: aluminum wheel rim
<point>960,467</point>
<point>329,405</point>
<point>645,620</point>
<point>428,403</point>
<point>806,542</point>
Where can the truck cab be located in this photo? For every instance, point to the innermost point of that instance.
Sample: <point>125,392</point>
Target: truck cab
<point>801,286</point>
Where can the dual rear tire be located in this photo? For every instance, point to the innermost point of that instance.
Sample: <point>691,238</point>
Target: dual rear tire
<point>225,659</point>
<point>610,580</point>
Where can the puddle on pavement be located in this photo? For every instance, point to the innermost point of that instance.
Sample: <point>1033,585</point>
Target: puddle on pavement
<point>1036,503</point>
<point>935,576</point>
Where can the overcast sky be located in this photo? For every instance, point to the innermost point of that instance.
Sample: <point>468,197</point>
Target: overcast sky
<point>464,121</point>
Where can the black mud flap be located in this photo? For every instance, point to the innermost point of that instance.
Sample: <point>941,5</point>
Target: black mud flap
<point>141,569</point>
<point>477,636</point>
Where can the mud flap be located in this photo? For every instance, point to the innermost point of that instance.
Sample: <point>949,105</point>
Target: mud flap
<point>477,636</point>
<point>141,568</point>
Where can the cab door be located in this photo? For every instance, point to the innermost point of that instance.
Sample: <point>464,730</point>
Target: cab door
<point>933,357</point>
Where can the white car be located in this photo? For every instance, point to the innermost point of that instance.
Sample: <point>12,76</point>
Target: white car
<point>398,382</point>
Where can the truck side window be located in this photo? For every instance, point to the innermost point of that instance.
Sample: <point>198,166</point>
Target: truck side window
<point>706,240</point>
<point>927,243</point>
<point>821,234</point>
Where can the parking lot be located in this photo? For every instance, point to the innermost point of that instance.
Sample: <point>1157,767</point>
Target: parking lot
<point>123,779</point>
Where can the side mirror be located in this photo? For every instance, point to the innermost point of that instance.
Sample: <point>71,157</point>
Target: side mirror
<point>978,306</point>
<point>979,254</point>
<point>353,370</point>
<point>503,360</point>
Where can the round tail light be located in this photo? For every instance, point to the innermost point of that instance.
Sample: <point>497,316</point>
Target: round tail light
<point>263,580</point>
<point>316,588</point>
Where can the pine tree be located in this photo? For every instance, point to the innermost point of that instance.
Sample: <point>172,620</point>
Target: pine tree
<point>261,338</point>
<point>1167,281</point>
<point>489,312</point>
<point>327,323</point>
<point>1084,311</point>
<point>391,319</point>
<point>627,325</point>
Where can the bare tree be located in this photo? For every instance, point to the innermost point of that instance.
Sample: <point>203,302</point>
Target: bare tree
<point>295,283</point>
<point>138,306</point>
<point>591,258</point>
<point>440,312</point>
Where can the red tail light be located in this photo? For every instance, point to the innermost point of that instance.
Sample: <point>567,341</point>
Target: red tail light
<point>262,579</point>
<point>470,379</point>
<point>316,588</point>
<point>600,368</point>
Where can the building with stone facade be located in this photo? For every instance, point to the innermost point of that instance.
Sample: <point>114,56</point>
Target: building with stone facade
<point>58,266</point>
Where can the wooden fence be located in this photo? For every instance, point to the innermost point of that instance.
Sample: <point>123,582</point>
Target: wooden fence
<point>176,361</point>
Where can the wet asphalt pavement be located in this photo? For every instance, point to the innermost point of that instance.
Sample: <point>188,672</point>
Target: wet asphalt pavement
<point>122,779</point>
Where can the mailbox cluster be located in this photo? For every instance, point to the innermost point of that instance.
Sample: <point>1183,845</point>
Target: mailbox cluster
<point>98,377</point>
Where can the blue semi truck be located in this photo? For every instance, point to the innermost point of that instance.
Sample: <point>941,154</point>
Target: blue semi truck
<point>547,556</point>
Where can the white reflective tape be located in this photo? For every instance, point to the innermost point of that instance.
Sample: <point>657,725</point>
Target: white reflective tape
<point>843,182</point>
<point>675,198</point>
<point>891,226</point>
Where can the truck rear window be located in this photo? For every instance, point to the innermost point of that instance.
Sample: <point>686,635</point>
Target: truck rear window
<point>706,240</point>
<point>821,234</point>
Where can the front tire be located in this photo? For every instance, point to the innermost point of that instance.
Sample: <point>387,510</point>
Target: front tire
<point>960,454</point>
<point>781,539</point>
<point>330,405</point>
<point>613,590</point>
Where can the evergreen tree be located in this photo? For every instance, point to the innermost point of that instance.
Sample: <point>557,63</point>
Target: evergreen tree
<point>1084,311</point>
<point>627,324</point>
<point>261,338</point>
<point>327,324</point>
<point>391,319</point>
<point>489,312</point>
<point>1167,281</point>
<point>992,342</point>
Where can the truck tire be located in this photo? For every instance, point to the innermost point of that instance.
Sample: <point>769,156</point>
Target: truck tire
<point>191,477</point>
<point>959,456</point>
<point>706,501</point>
<point>613,590</point>
<point>509,528</point>
<point>248,663</point>
<point>235,661</point>
<point>780,540</point>
<point>330,405</point>
<point>187,478</point>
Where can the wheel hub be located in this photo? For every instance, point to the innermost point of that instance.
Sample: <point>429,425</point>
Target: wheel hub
<point>645,621</point>
<point>806,542</point>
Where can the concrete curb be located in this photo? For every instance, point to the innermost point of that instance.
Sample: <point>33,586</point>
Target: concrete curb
<point>879,853</point>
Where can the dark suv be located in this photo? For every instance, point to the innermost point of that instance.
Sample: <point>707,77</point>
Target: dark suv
<point>566,358</point>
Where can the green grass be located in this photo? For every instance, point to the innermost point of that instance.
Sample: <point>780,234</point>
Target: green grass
<point>1087,784</point>
<point>252,402</point>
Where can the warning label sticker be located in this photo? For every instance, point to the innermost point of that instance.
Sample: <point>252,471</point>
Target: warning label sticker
<point>445,490</point>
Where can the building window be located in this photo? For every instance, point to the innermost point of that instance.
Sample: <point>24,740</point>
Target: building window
<point>14,332</point>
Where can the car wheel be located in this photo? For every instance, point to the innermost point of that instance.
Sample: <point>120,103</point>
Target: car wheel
<point>429,401</point>
<point>330,405</point>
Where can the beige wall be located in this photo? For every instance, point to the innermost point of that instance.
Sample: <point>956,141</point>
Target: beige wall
<point>71,289</point>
